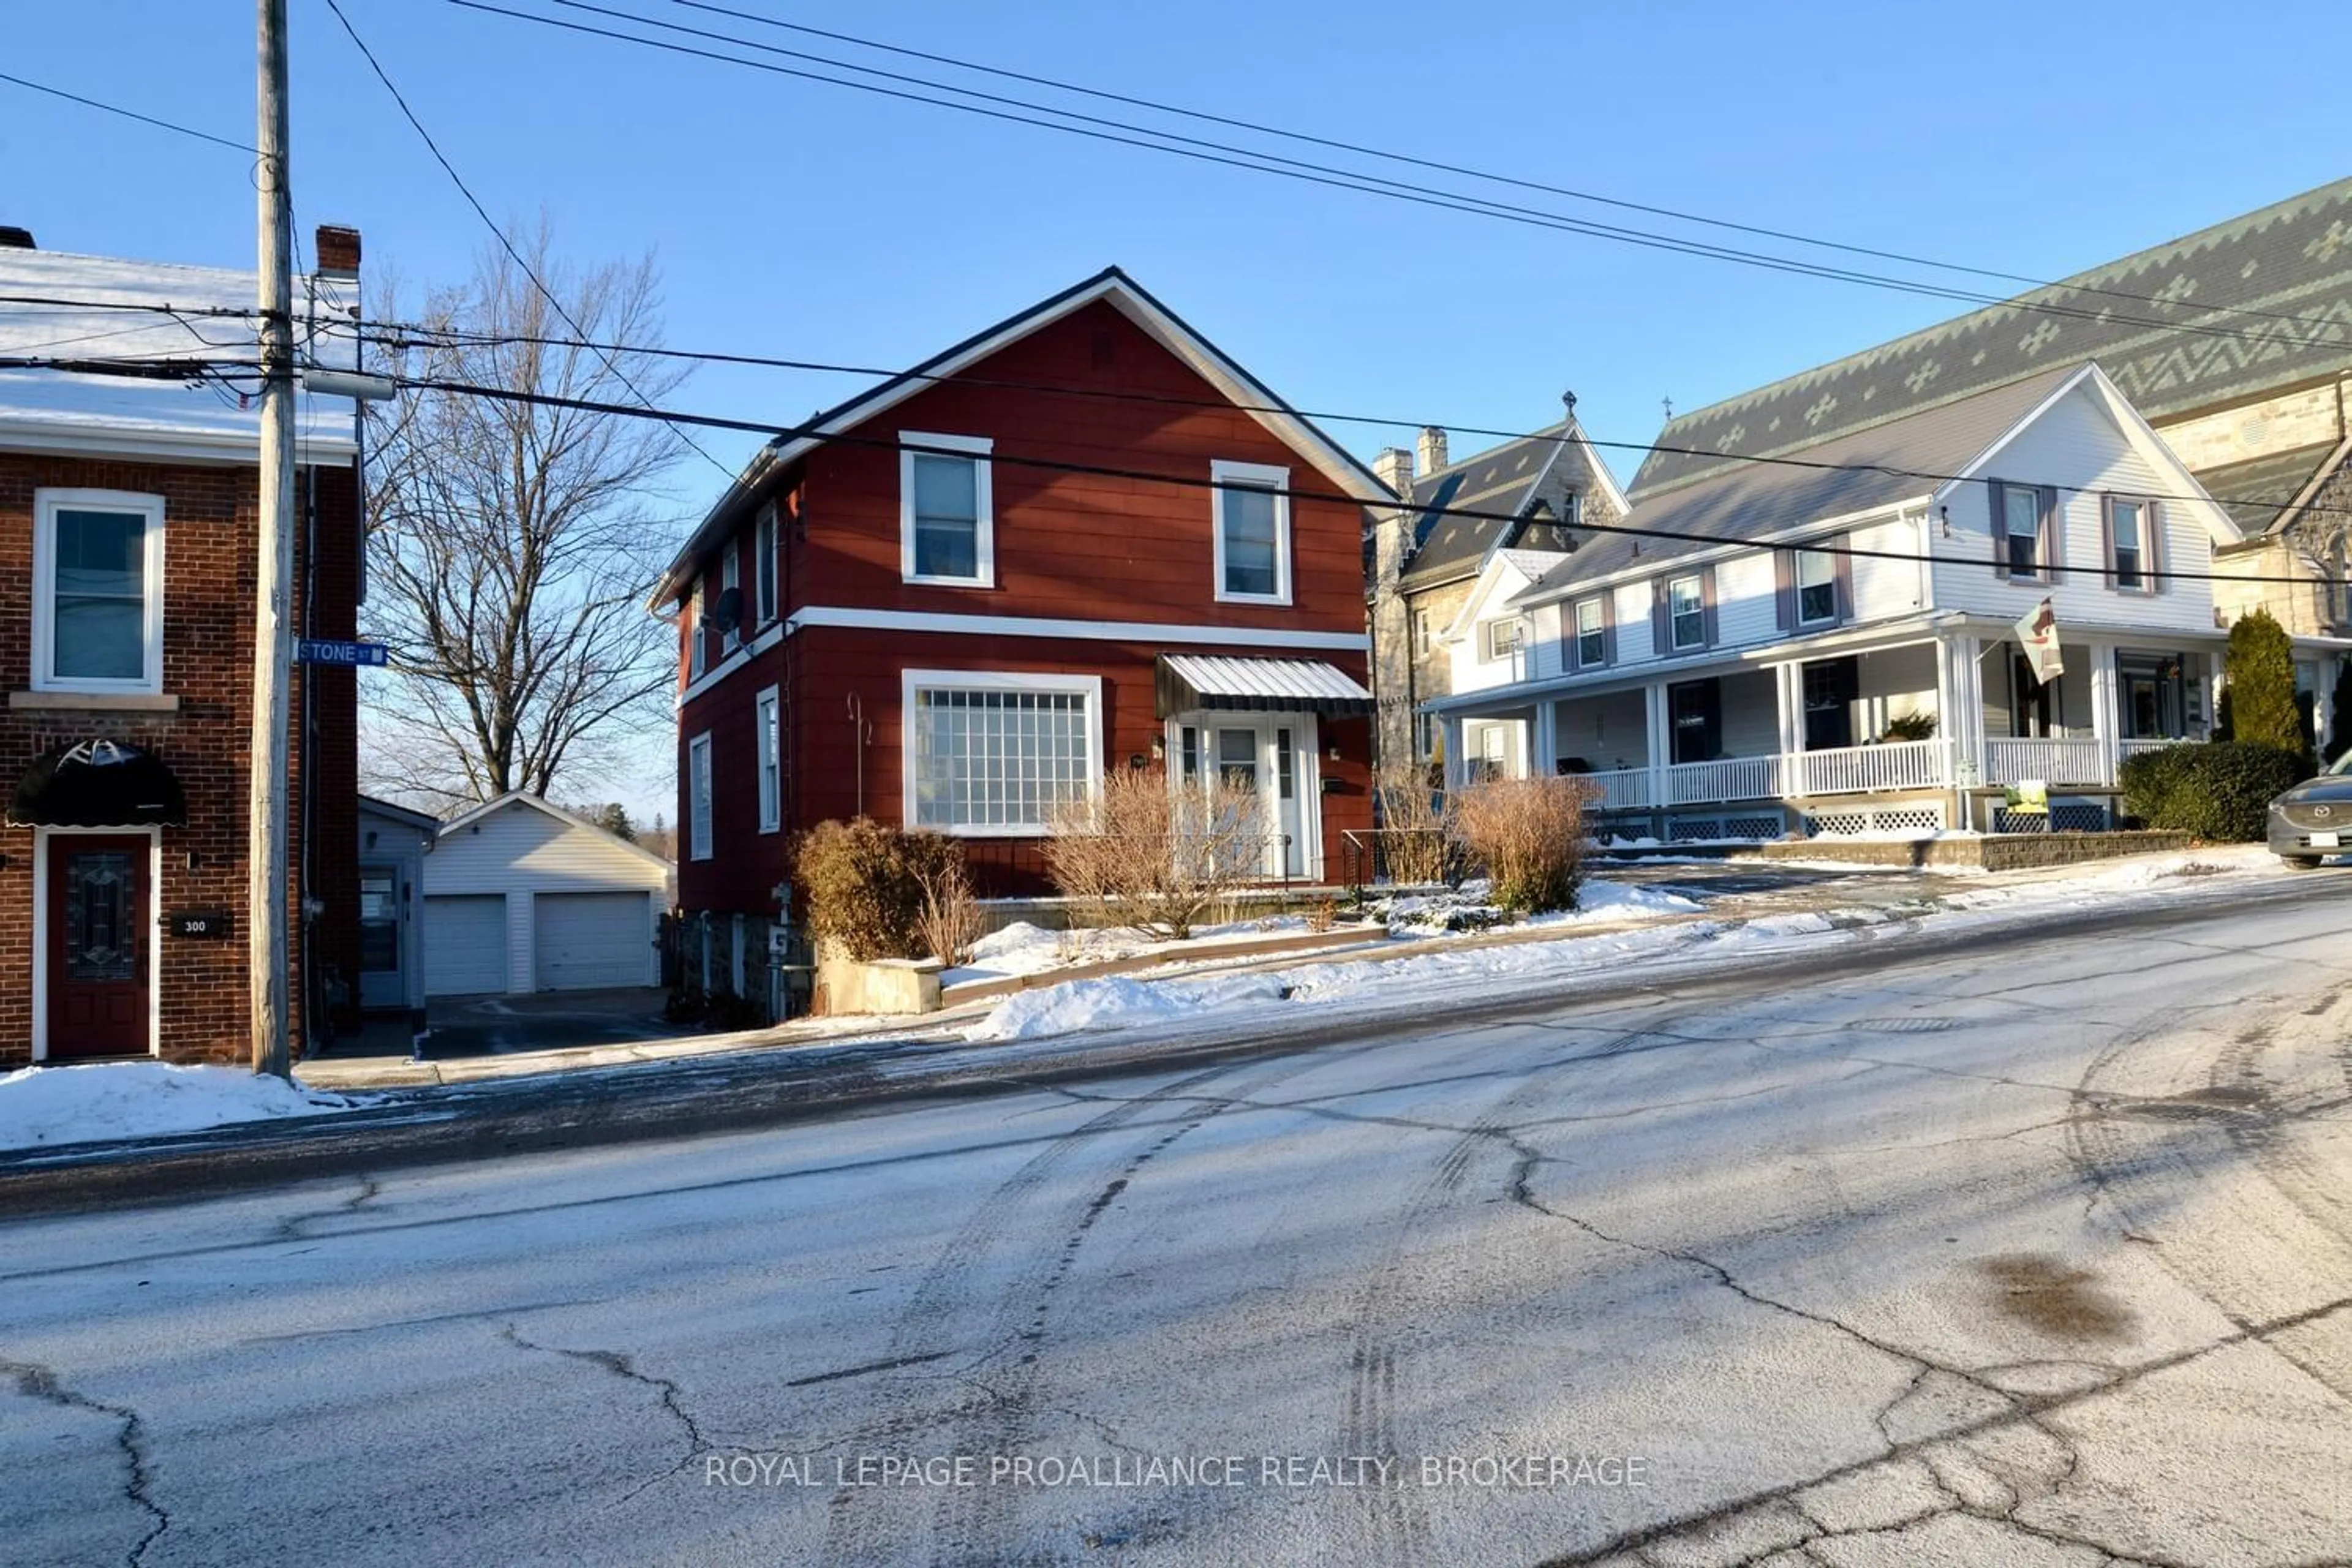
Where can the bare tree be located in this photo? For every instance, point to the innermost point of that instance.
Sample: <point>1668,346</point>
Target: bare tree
<point>512,543</point>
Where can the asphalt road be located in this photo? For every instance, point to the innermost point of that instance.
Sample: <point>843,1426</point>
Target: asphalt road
<point>2032,1250</point>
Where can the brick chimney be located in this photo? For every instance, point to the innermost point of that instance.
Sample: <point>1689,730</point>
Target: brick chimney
<point>15,238</point>
<point>1393,467</point>
<point>1430,448</point>
<point>338,249</point>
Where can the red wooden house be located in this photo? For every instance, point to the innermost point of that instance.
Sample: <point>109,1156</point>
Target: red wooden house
<point>1082,539</point>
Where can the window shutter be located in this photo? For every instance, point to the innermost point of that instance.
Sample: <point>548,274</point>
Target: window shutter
<point>1844,578</point>
<point>1706,601</point>
<point>2107,541</point>
<point>1662,640</point>
<point>1609,626</point>
<point>2053,536</point>
<point>1999,512</point>
<point>1571,645</point>
<point>1784,589</point>
<point>2151,544</point>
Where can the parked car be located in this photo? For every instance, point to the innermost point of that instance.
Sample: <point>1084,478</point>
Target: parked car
<point>2314,819</point>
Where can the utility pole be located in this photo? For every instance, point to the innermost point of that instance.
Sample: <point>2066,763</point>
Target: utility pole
<point>266,855</point>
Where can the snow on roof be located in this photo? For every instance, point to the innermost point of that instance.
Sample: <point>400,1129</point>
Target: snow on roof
<point>44,409</point>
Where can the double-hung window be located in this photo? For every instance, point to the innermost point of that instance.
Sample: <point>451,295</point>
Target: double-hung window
<point>763,567</point>
<point>1252,532</point>
<point>697,633</point>
<point>992,755</point>
<point>2017,524</point>
<point>1686,612</point>
<point>698,797</point>
<point>729,573</point>
<point>1817,594</point>
<point>770,753</point>
<point>1502,637</point>
<point>1592,634</point>
<point>947,523</point>
<point>2131,531</point>
<point>98,592</point>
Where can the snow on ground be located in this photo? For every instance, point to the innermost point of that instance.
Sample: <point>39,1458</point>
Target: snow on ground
<point>1022,948</point>
<point>1435,978</point>
<point>105,1100</point>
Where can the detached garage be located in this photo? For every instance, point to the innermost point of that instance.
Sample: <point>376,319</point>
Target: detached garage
<point>523,896</point>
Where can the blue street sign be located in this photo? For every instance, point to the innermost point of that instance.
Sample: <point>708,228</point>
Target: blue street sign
<point>331,650</point>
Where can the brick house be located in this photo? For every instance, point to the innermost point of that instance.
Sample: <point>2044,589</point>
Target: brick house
<point>128,536</point>
<point>941,617</point>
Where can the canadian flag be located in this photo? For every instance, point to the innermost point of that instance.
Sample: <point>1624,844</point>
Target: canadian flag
<point>2037,635</point>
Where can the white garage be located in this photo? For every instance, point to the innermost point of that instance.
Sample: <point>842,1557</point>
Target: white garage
<point>523,896</point>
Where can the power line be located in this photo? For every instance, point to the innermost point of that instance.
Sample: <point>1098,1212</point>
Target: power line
<point>1439,165</point>
<point>499,233</point>
<point>1266,162</point>
<point>129,114</point>
<point>1099,470</point>
<point>369,332</point>
<point>1322,417</point>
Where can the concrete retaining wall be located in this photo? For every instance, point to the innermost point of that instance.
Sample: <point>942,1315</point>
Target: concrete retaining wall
<point>1998,852</point>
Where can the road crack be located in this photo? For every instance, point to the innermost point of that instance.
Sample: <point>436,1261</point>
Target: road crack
<point>37,1381</point>
<point>624,1368</point>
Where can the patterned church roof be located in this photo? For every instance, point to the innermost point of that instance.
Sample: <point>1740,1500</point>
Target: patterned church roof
<point>2181,343</point>
<point>1501,479</point>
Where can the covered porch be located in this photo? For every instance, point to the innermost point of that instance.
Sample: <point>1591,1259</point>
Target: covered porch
<point>1927,718</point>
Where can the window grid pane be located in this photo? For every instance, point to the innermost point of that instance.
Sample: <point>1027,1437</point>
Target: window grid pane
<point>1246,514</point>
<point>99,629</point>
<point>997,759</point>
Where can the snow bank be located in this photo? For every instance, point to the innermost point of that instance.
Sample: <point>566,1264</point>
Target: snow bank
<point>1022,948</point>
<point>1116,1002</point>
<point>110,1100</point>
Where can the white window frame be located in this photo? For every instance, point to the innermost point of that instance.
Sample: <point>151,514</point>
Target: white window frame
<point>979,448</point>
<point>1598,631</point>
<point>1420,619</point>
<point>2001,529</point>
<point>1808,559</point>
<point>1675,643</point>
<point>1250,476</point>
<point>698,797</point>
<point>2145,558</point>
<point>1490,646</point>
<point>730,576</point>
<point>47,504</point>
<point>763,564</point>
<point>766,715</point>
<point>698,649</point>
<point>914,680</point>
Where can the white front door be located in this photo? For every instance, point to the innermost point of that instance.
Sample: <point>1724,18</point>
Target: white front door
<point>1271,755</point>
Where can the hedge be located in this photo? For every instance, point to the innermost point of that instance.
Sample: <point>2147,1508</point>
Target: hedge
<point>864,883</point>
<point>2220,791</point>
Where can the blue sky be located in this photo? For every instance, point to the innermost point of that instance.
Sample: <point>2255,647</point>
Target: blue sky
<point>809,221</point>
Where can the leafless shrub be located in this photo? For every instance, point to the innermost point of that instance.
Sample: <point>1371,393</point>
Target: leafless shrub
<point>872,888</point>
<point>1413,824</point>
<point>1527,833</point>
<point>1155,860</point>
<point>950,920</point>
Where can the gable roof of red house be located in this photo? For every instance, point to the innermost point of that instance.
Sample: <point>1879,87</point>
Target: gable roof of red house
<point>1112,287</point>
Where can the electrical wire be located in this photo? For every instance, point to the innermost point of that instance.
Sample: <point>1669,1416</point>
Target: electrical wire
<point>1439,165</point>
<point>1265,163</point>
<point>465,190</point>
<point>130,114</point>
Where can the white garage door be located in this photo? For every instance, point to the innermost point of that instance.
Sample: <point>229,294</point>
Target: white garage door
<point>464,945</point>
<point>588,941</point>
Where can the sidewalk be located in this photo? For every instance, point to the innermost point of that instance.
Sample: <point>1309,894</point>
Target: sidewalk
<point>1871,896</point>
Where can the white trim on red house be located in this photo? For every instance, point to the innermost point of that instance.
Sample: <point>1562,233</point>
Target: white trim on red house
<point>978,447</point>
<point>47,504</point>
<point>701,798</point>
<point>1250,476</point>
<point>41,837</point>
<point>768,760</point>
<point>912,680</point>
<point>1088,631</point>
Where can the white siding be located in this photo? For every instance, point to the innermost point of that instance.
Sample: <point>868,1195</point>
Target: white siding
<point>1633,628</point>
<point>1751,715</point>
<point>1744,611</point>
<point>1884,588</point>
<point>2078,446</point>
<point>1609,732</point>
<point>518,852</point>
<point>1472,670</point>
<point>1545,653</point>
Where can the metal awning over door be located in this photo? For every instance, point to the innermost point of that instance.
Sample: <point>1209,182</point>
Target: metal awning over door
<point>1187,683</point>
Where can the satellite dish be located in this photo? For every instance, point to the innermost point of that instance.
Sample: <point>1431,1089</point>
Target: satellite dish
<point>727,610</point>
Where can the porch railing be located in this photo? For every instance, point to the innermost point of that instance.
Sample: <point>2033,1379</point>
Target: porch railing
<point>2134,748</point>
<point>1869,770</point>
<point>2010,760</point>
<point>1725,779</point>
<point>1620,789</point>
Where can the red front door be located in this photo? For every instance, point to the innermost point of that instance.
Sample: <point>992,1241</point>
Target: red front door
<point>98,939</point>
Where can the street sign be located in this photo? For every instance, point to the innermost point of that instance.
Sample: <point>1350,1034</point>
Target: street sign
<point>333,650</point>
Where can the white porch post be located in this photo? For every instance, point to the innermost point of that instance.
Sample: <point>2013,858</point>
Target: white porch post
<point>2106,710</point>
<point>1457,767</point>
<point>2322,705</point>
<point>1789,691</point>
<point>1544,761</point>
<point>1655,725</point>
